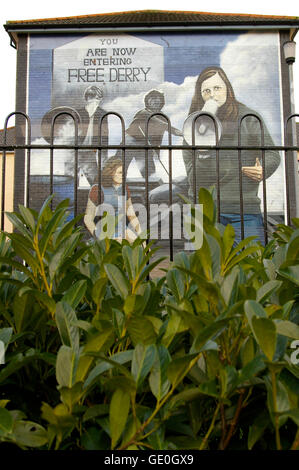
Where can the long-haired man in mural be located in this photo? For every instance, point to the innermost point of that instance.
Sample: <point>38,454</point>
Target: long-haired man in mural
<point>90,116</point>
<point>214,93</point>
<point>154,101</point>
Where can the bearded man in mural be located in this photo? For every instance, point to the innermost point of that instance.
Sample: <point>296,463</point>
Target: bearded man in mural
<point>214,94</point>
<point>154,101</point>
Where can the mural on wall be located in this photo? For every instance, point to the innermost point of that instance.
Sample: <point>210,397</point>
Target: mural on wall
<point>179,75</point>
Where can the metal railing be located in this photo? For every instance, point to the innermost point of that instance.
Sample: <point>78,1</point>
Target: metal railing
<point>27,147</point>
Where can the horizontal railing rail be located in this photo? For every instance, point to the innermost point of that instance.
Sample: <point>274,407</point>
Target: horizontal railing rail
<point>23,146</point>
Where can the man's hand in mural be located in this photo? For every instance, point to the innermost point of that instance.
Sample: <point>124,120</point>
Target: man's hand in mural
<point>254,172</point>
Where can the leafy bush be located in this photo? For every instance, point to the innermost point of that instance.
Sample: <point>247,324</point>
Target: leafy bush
<point>99,355</point>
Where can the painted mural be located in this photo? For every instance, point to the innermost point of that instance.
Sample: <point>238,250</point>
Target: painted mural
<point>227,75</point>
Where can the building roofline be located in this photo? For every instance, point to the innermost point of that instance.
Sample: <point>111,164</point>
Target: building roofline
<point>150,20</point>
<point>247,15</point>
<point>157,16</point>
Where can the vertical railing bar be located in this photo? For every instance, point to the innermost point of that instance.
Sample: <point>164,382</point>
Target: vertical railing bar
<point>194,161</point>
<point>287,180</point>
<point>28,164</point>
<point>3,182</point>
<point>264,183</point>
<point>75,120</point>
<point>240,178</point>
<point>170,191</point>
<point>99,150</point>
<point>52,160</point>
<point>217,173</point>
<point>14,113</point>
<point>147,183</point>
<point>76,167</point>
<point>169,178</point>
<point>217,158</point>
<point>265,218</point>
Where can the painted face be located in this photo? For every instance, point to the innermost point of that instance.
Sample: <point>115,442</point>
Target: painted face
<point>214,88</point>
<point>155,103</point>
<point>118,175</point>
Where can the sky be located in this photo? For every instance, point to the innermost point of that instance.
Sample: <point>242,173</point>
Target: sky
<point>34,9</point>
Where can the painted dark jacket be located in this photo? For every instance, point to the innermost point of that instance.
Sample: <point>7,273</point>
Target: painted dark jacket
<point>157,127</point>
<point>87,158</point>
<point>96,121</point>
<point>229,166</point>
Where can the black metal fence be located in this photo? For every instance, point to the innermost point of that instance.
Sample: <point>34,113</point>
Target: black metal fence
<point>26,147</point>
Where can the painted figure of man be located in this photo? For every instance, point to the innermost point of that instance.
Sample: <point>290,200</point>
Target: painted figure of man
<point>90,116</point>
<point>154,101</point>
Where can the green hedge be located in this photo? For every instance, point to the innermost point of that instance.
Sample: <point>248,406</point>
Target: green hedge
<point>99,355</point>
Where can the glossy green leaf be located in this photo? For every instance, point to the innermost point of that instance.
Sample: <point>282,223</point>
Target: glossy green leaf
<point>178,368</point>
<point>158,381</point>
<point>66,318</point>
<point>287,328</point>
<point>264,331</point>
<point>117,279</point>
<point>99,290</point>
<point>252,309</point>
<point>293,246</point>
<point>134,260</point>
<point>118,414</point>
<point>247,351</point>
<point>75,294</point>
<point>209,209</point>
<point>229,288</point>
<point>71,395</point>
<point>42,298</point>
<point>293,415</point>
<point>291,273</point>
<point>119,358</point>
<point>141,330</point>
<point>228,241</point>
<point>282,399</point>
<point>66,365</point>
<point>64,251</point>
<point>267,290</point>
<point>238,258</point>
<point>19,225</point>
<point>134,304</point>
<point>5,335</point>
<point>100,341</point>
<point>290,381</point>
<point>50,229</point>
<point>257,429</point>
<point>209,332</point>
<point>228,380</point>
<point>209,388</point>
<point>29,434</point>
<point>27,217</point>
<point>175,282</point>
<point>142,362</point>
<point>251,369</point>
<point>6,421</point>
